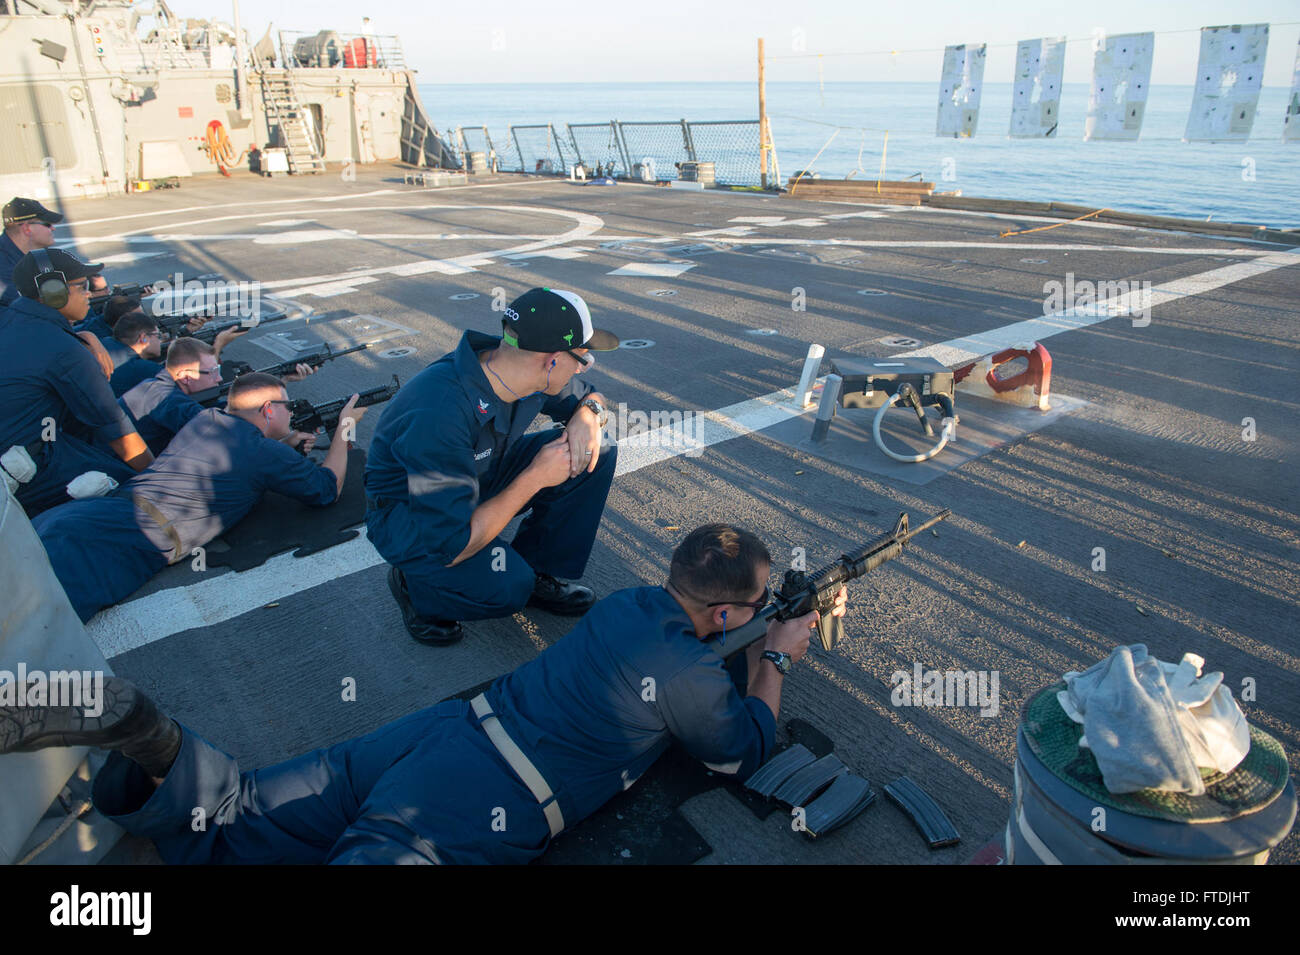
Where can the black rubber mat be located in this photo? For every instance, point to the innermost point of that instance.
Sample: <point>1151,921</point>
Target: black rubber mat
<point>278,524</point>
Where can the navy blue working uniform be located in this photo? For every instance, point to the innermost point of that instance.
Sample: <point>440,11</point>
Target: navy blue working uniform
<point>47,372</point>
<point>211,475</point>
<point>95,324</point>
<point>10,255</point>
<point>121,354</point>
<point>159,409</point>
<point>445,445</point>
<point>130,373</point>
<point>428,787</point>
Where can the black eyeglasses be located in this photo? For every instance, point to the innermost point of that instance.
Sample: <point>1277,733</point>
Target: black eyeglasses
<point>586,361</point>
<point>758,604</point>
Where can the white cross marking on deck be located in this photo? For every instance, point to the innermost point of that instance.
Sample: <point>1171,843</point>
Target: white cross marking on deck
<point>140,622</point>
<point>653,269</point>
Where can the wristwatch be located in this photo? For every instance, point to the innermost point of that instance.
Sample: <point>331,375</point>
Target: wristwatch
<point>782,661</point>
<point>594,406</point>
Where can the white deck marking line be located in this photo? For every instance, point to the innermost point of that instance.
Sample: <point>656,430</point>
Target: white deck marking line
<point>145,620</point>
<point>587,225</point>
<point>148,233</point>
<point>961,351</point>
<point>960,244</point>
<point>328,289</point>
<point>216,599</point>
<point>733,230</point>
<point>226,205</point>
<point>319,235</point>
<point>336,197</point>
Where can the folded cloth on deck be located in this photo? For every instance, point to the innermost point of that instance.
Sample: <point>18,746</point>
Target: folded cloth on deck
<point>1155,725</point>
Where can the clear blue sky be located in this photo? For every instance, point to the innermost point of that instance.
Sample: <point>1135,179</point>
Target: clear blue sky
<point>626,41</point>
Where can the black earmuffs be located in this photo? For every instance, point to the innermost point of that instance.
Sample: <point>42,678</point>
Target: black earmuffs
<point>51,284</point>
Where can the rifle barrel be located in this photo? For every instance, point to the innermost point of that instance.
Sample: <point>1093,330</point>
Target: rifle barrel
<point>316,359</point>
<point>883,549</point>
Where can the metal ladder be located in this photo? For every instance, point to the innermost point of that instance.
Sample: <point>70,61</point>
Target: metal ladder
<point>282,107</point>
<point>422,145</point>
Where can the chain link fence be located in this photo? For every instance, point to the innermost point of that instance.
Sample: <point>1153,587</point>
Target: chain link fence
<point>655,150</point>
<point>598,144</point>
<point>463,140</point>
<point>733,148</point>
<point>539,150</point>
<point>644,151</point>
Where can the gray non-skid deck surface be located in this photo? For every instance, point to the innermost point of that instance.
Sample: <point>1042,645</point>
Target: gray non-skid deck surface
<point>1198,525</point>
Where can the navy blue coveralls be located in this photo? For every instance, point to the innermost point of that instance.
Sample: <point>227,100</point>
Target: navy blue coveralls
<point>159,409</point>
<point>10,255</point>
<point>591,713</point>
<point>47,372</point>
<point>95,324</point>
<point>445,445</point>
<point>121,354</point>
<point>211,475</point>
<point>130,373</point>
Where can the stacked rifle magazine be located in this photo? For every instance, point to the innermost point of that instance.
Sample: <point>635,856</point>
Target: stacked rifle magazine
<point>847,796</point>
<point>804,784</point>
<point>778,769</point>
<point>794,777</point>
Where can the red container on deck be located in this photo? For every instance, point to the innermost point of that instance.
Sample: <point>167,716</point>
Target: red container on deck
<point>358,54</point>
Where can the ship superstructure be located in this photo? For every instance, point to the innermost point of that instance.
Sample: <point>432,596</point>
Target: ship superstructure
<point>98,96</point>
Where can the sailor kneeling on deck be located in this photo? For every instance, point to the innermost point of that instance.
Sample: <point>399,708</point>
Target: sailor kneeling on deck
<point>54,392</point>
<point>491,780</point>
<point>449,467</point>
<point>211,475</point>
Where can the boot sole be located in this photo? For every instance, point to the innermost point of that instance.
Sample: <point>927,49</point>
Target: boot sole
<point>560,611</point>
<point>408,613</point>
<point>25,729</point>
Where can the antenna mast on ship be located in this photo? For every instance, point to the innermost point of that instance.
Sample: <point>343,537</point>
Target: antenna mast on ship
<point>241,79</point>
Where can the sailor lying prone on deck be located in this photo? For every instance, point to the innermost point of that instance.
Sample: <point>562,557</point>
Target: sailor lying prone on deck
<point>212,474</point>
<point>492,780</point>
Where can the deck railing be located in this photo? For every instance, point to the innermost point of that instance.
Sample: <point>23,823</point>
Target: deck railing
<point>645,151</point>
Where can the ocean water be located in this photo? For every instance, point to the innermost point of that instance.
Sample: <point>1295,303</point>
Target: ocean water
<point>1257,182</point>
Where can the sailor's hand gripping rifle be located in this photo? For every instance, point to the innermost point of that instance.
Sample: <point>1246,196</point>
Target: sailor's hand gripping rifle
<point>801,592</point>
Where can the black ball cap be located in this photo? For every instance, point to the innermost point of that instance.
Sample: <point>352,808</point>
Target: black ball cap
<point>19,210</point>
<point>544,319</point>
<point>27,269</point>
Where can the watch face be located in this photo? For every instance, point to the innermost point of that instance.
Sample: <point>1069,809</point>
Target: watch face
<point>780,660</point>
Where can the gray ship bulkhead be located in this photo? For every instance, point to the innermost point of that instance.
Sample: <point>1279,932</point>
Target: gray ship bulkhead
<point>90,107</point>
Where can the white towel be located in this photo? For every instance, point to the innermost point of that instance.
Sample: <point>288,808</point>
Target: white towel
<point>1155,725</point>
<point>91,484</point>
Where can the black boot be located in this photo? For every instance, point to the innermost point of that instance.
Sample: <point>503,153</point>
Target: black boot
<point>425,629</point>
<point>567,600</point>
<point>130,723</point>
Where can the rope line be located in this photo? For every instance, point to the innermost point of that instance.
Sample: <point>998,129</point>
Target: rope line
<point>1057,225</point>
<point>805,170</point>
<point>991,46</point>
